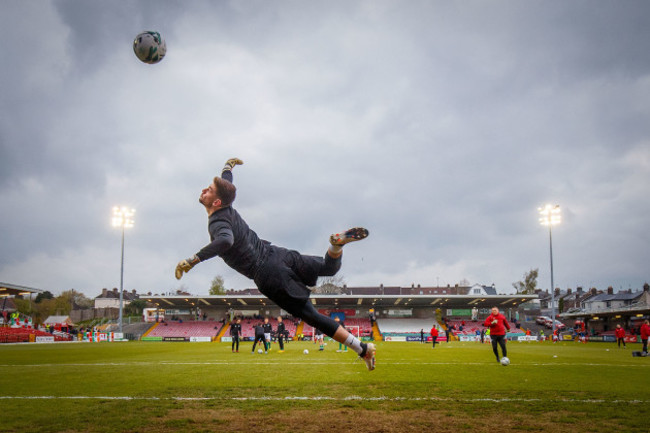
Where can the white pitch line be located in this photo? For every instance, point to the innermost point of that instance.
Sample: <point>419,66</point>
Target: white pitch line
<point>326,398</point>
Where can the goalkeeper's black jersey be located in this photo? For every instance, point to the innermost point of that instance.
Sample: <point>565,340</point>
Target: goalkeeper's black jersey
<point>233,241</point>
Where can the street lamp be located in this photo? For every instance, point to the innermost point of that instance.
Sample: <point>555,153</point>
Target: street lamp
<point>549,216</point>
<point>122,217</point>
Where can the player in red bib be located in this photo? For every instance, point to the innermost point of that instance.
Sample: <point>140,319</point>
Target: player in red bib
<point>620,336</point>
<point>498,325</point>
<point>645,333</point>
<point>434,335</point>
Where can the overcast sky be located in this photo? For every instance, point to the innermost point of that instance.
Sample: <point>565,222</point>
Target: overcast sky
<point>440,126</point>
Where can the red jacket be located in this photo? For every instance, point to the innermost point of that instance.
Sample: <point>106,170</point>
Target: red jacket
<point>620,333</point>
<point>500,325</point>
<point>434,332</point>
<point>645,331</point>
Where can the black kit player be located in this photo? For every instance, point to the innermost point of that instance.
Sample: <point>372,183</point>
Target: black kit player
<point>280,274</point>
<point>259,336</point>
<point>235,332</point>
<point>280,331</point>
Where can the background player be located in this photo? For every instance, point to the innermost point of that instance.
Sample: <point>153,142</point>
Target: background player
<point>267,333</point>
<point>259,336</point>
<point>235,331</point>
<point>280,331</point>
<point>498,324</point>
<point>434,335</point>
<point>318,338</point>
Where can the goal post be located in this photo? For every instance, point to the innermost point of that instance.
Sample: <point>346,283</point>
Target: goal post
<point>354,330</point>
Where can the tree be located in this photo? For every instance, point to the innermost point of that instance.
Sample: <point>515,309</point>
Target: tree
<point>529,285</point>
<point>38,312</point>
<point>135,307</point>
<point>72,298</point>
<point>43,295</point>
<point>330,285</point>
<point>217,286</point>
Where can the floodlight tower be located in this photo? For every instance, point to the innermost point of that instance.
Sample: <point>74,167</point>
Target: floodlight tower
<point>550,216</point>
<point>122,217</point>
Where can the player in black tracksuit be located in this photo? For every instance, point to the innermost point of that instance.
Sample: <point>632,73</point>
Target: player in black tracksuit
<point>281,330</point>
<point>259,336</point>
<point>235,331</point>
<point>280,274</point>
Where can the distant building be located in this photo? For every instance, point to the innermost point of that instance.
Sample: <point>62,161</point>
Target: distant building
<point>111,298</point>
<point>615,301</point>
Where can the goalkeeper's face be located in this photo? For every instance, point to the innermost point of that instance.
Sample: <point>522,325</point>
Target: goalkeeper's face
<point>208,197</point>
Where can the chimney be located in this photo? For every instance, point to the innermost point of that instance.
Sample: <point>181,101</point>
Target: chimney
<point>610,290</point>
<point>104,292</point>
<point>646,287</point>
<point>568,291</point>
<point>579,289</point>
<point>594,291</point>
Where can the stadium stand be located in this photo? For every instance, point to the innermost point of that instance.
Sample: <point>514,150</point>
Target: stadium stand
<point>20,335</point>
<point>406,327</point>
<point>469,327</point>
<point>364,324</point>
<point>186,329</point>
<point>134,331</point>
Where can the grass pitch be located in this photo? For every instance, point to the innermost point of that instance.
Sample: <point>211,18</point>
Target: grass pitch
<point>203,387</point>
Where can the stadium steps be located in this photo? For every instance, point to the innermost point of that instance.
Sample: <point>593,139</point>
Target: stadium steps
<point>376,335</point>
<point>150,329</point>
<point>222,332</point>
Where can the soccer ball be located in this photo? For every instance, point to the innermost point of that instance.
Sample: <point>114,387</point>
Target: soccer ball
<point>505,361</point>
<point>149,47</point>
<point>260,351</point>
<point>306,352</point>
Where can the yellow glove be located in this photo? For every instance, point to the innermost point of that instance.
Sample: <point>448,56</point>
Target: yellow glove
<point>231,163</point>
<point>186,265</point>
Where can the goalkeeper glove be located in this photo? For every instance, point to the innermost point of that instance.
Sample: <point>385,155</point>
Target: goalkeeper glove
<point>186,265</point>
<point>231,163</point>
